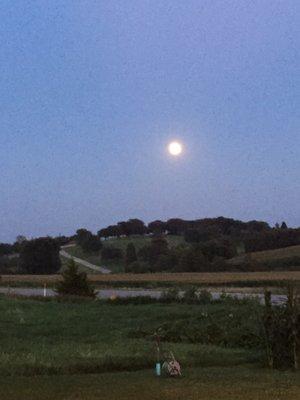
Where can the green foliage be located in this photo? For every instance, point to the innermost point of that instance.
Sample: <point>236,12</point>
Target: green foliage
<point>196,235</point>
<point>40,256</point>
<point>170,295</point>
<point>130,256</point>
<point>192,260</point>
<point>204,297</point>
<point>151,253</point>
<point>220,324</point>
<point>282,332</point>
<point>138,267</point>
<point>74,283</point>
<point>283,225</point>
<point>87,241</point>
<point>111,253</point>
<point>9,265</point>
<point>91,336</point>
<point>6,249</point>
<point>190,295</point>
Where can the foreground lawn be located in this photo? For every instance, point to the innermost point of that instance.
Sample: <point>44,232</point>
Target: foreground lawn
<point>232,383</point>
<point>90,350</point>
<point>65,338</point>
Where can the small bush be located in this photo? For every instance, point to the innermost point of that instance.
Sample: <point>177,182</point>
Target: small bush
<point>282,332</point>
<point>170,295</point>
<point>190,295</point>
<point>204,297</point>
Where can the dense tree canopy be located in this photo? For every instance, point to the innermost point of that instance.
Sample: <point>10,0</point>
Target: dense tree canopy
<point>87,241</point>
<point>40,256</point>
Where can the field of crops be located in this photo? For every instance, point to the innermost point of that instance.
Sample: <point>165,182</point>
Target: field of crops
<point>176,278</point>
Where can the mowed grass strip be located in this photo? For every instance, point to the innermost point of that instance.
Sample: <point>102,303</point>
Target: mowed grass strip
<point>231,383</point>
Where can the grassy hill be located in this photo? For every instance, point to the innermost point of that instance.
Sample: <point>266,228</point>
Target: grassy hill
<point>120,243</point>
<point>283,258</point>
<point>277,254</point>
<point>275,259</point>
<point>140,241</point>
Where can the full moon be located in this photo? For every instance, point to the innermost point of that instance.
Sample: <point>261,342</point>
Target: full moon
<point>175,148</point>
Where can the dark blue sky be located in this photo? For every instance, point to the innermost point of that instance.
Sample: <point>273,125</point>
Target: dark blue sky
<point>92,92</point>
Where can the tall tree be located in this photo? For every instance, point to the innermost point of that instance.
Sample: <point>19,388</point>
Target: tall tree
<point>40,256</point>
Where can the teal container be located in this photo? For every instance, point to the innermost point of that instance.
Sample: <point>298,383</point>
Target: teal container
<point>158,369</point>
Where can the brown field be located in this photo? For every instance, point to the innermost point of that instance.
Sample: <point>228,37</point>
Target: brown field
<point>180,278</point>
<point>292,251</point>
<point>267,255</point>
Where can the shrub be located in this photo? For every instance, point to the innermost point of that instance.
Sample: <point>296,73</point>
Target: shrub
<point>74,283</point>
<point>190,295</point>
<point>170,295</point>
<point>111,253</point>
<point>282,332</point>
<point>204,297</point>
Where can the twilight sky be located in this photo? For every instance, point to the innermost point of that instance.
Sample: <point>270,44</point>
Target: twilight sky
<point>92,92</point>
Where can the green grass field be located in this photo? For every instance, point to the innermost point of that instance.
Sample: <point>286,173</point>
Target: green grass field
<point>66,338</point>
<point>214,383</point>
<point>94,350</point>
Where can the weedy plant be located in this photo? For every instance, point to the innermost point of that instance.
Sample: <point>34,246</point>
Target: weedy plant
<point>282,332</point>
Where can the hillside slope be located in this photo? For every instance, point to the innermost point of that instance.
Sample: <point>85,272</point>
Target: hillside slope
<point>120,243</point>
<point>287,256</point>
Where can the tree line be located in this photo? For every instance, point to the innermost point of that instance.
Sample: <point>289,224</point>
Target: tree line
<point>252,235</point>
<point>208,244</point>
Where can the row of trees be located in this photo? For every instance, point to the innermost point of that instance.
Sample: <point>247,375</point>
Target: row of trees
<point>157,256</point>
<point>253,235</point>
<point>177,226</point>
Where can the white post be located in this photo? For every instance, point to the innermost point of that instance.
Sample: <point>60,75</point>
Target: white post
<point>45,289</point>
